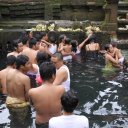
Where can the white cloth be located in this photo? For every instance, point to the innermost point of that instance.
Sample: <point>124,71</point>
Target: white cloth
<point>69,57</point>
<point>66,84</point>
<point>53,48</point>
<point>69,121</point>
<point>121,60</point>
<point>78,50</point>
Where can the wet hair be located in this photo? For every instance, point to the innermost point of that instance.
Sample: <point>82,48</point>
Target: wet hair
<point>24,39</point>
<point>69,101</point>
<point>42,34</point>
<point>61,37</point>
<point>42,57</point>
<point>21,60</point>
<point>67,41</point>
<point>16,42</point>
<point>58,55</point>
<point>92,38</point>
<point>74,45</point>
<point>106,47</point>
<point>52,39</point>
<point>32,42</point>
<point>114,44</point>
<point>10,60</point>
<point>47,70</point>
<point>38,37</point>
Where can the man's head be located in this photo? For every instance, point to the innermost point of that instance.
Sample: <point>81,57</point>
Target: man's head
<point>69,101</point>
<point>44,36</point>
<point>23,63</point>
<point>114,44</point>
<point>47,71</point>
<point>52,39</point>
<point>109,48</point>
<point>33,44</point>
<point>11,60</point>
<point>57,59</point>
<point>62,38</point>
<point>24,40</point>
<point>67,41</point>
<point>18,45</point>
<point>42,57</point>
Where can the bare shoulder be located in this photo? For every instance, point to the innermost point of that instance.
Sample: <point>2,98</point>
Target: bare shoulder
<point>31,91</point>
<point>60,88</point>
<point>11,53</point>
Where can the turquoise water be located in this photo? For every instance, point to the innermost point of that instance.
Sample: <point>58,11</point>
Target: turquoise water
<point>103,99</point>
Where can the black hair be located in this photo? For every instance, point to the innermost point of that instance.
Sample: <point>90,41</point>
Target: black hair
<point>69,101</point>
<point>52,39</point>
<point>42,57</point>
<point>47,70</point>
<point>32,42</point>
<point>92,38</point>
<point>114,44</point>
<point>24,39</point>
<point>58,55</point>
<point>38,37</point>
<point>74,45</point>
<point>107,47</point>
<point>42,34</point>
<point>67,41</point>
<point>61,37</point>
<point>21,60</point>
<point>15,43</point>
<point>10,60</point>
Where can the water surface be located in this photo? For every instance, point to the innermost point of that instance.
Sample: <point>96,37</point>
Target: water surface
<point>103,98</point>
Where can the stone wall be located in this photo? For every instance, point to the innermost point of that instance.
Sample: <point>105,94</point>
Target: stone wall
<point>52,9</point>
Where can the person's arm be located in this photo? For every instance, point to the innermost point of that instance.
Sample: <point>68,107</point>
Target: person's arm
<point>113,60</point>
<point>60,48</point>
<point>85,40</point>
<point>30,93</point>
<point>27,87</point>
<point>60,77</point>
<point>49,44</point>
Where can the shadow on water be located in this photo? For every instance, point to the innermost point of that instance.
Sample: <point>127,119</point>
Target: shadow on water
<point>103,99</point>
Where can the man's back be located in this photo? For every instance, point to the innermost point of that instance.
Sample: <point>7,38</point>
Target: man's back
<point>17,84</point>
<point>31,54</point>
<point>46,100</point>
<point>3,74</point>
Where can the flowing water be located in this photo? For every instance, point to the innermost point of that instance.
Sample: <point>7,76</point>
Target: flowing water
<point>103,98</point>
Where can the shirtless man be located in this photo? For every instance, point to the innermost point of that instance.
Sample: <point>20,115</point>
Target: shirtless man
<point>24,40</point>
<point>61,42</point>
<point>109,59</point>
<point>18,48</point>
<point>46,98</point>
<point>3,73</point>
<point>67,50</point>
<point>63,74</point>
<point>31,51</point>
<point>117,52</point>
<point>17,82</point>
<point>18,85</point>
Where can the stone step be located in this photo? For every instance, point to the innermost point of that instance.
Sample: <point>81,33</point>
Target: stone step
<point>123,3</point>
<point>122,11</point>
<point>123,21</point>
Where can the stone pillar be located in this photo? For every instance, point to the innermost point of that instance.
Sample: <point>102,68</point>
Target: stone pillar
<point>110,22</point>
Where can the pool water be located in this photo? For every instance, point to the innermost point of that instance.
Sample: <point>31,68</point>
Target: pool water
<point>103,98</point>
